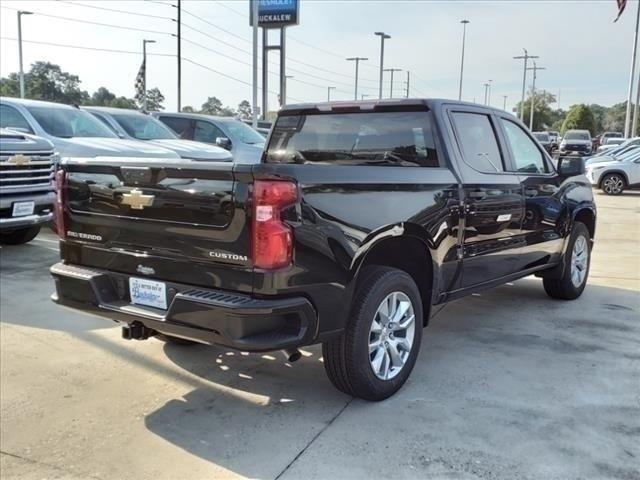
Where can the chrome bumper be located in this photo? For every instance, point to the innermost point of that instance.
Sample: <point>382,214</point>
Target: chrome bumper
<point>26,221</point>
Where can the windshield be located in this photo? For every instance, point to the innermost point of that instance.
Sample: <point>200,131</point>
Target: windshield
<point>69,122</point>
<point>630,155</point>
<point>541,137</point>
<point>375,138</point>
<point>143,127</point>
<point>244,133</point>
<point>577,136</point>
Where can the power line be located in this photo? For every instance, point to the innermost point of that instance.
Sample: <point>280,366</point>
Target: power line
<point>89,48</point>
<point>92,23</point>
<point>128,12</point>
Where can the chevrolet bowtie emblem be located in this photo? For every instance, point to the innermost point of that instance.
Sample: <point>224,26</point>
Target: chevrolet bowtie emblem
<point>19,159</point>
<point>136,200</point>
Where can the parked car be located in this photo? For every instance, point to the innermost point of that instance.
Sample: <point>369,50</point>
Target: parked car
<point>616,176</point>
<point>136,125</point>
<point>244,143</point>
<point>576,142</point>
<point>72,131</point>
<point>613,153</point>
<point>610,143</point>
<point>544,139</point>
<point>360,218</point>
<point>27,166</point>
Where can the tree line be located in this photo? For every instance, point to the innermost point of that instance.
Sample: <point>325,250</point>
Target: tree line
<point>47,81</point>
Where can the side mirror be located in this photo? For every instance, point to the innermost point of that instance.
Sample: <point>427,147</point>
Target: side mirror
<point>223,142</point>
<point>570,166</point>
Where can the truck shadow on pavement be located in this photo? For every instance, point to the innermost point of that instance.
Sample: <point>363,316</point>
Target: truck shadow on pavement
<point>483,359</point>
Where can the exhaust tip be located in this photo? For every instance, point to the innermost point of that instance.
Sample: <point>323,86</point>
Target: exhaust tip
<point>292,354</point>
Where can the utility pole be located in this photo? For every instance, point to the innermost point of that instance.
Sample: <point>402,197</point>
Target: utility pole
<point>407,82</point>
<point>535,69</point>
<point>392,70</point>
<point>486,92</point>
<point>634,128</point>
<point>489,92</point>
<point>357,60</point>
<point>383,36</point>
<point>627,118</point>
<point>464,37</point>
<point>329,93</point>
<point>179,56</point>
<point>254,85</point>
<point>504,102</point>
<point>20,13</point>
<point>558,99</point>
<point>144,79</point>
<point>526,58</point>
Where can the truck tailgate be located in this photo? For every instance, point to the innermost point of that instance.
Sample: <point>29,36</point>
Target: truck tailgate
<point>175,220</point>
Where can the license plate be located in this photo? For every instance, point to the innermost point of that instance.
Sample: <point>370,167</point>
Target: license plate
<point>21,209</point>
<point>148,292</point>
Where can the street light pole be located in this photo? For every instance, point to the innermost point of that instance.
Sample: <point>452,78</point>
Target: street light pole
<point>464,37</point>
<point>627,117</point>
<point>383,37</point>
<point>357,60</point>
<point>504,103</point>
<point>486,92</point>
<point>489,94</point>
<point>254,79</point>
<point>144,77</point>
<point>329,93</point>
<point>20,13</point>
<point>407,82</point>
<point>179,7</point>
<point>391,86</point>
<point>526,58</point>
<point>533,91</point>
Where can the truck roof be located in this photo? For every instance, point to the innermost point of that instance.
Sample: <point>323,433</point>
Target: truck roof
<point>430,103</point>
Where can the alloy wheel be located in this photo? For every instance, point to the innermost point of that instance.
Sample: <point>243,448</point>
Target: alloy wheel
<point>579,261</point>
<point>613,185</point>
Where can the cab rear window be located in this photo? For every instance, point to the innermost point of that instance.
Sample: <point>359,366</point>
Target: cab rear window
<point>368,138</point>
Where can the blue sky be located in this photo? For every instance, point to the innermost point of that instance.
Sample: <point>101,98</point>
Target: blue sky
<point>586,55</point>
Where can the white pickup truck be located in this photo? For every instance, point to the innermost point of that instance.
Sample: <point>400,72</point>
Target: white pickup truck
<point>27,166</point>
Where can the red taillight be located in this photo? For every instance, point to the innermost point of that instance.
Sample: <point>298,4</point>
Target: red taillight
<point>59,219</point>
<point>272,238</point>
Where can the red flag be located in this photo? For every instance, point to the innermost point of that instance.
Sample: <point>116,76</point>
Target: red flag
<point>621,5</point>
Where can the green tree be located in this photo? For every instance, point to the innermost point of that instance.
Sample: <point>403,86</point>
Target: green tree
<point>244,110</point>
<point>614,118</point>
<point>102,97</point>
<point>213,106</point>
<point>154,100</point>
<point>543,115</point>
<point>46,81</point>
<point>580,117</point>
<point>188,109</point>
<point>123,102</point>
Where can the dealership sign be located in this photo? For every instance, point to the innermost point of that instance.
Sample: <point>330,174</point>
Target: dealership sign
<point>277,13</point>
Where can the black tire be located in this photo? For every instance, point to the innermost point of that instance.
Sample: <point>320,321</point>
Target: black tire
<point>175,340</point>
<point>18,237</point>
<point>347,359</point>
<point>613,184</point>
<point>563,287</point>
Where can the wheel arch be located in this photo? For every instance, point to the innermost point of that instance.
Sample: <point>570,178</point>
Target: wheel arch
<point>587,216</point>
<point>403,247</point>
<point>609,172</point>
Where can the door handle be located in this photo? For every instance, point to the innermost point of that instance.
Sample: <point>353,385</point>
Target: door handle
<point>478,195</point>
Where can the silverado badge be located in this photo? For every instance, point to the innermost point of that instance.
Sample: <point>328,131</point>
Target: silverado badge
<point>19,159</point>
<point>136,200</point>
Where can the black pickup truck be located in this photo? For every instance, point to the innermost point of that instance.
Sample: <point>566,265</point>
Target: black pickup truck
<point>361,217</point>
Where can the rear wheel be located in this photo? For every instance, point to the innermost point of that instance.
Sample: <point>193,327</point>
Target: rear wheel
<point>577,260</point>
<point>378,349</point>
<point>18,237</point>
<point>613,184</point>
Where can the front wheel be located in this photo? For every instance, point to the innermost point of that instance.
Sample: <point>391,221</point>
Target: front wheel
<point>577,260</point>
<point>18,237</point>
<point>378,349</point>
<point>613,184</point>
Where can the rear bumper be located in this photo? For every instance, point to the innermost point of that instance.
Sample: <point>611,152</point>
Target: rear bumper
<point>213,317</point>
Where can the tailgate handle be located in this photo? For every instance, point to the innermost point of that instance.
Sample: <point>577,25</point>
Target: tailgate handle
<point>136,175</point>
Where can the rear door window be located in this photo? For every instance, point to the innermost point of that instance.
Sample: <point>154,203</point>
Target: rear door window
<point>367,138</point>
<point>477,140</point>
<point>182,126</point>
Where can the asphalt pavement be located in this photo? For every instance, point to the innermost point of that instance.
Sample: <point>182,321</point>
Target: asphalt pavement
<point>509,385</point>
